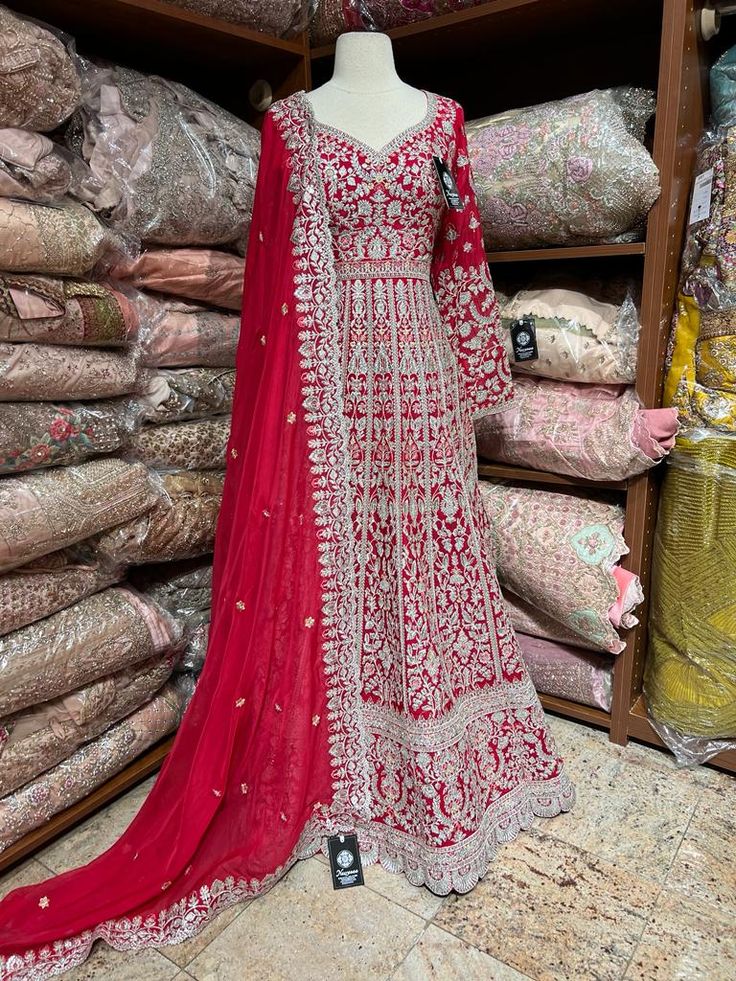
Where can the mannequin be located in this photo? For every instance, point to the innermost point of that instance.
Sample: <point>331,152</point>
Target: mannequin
<point>365,97</point>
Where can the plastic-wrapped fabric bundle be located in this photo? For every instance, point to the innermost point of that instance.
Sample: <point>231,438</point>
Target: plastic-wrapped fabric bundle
<point>559,554</point>
<point>578,338</point>
<point>205,275</point>
<point>32,167</point>
<point>567,672</point>
<point>49,584</point>
<point>723,89</point>
<point>567,172</point>
<point>335,17</point>
<point>39,737</point>
<point>44,512</point>
<point>47,434</point>
<point>100,634</point>
<point>591,431</point>
<point>181,526</point>
<point>91,765</point>
<point>39,85</point>
<point>176,394</point>
<point>63,239</point>
<point>701,380</point>
<point>43,310</point>
<point>195,650</point>
<point>175,334</point>
<point>167,166</point>
<point>198,445</point>
<point>690,680</point>
<point>44,372</point>
<point>282,19</point>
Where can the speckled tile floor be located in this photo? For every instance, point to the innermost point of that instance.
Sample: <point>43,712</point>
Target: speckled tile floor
<point>639,882</point>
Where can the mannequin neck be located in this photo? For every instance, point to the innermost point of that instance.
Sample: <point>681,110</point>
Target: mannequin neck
<point>364,62</point>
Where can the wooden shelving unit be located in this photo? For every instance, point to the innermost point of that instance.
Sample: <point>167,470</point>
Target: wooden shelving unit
<point>568,252</point>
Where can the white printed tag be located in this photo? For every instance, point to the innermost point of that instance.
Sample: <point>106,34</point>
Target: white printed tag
<point>700,207</point>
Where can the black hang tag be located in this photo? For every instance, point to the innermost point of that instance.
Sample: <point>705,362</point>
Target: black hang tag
<point>345,863</point>
<point>448,185</point>
<point>524,339</point>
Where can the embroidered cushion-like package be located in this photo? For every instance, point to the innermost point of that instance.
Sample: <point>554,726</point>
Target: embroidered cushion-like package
<point>568,672</point>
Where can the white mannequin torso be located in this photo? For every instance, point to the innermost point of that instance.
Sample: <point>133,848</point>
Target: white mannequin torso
<point>365,98</point>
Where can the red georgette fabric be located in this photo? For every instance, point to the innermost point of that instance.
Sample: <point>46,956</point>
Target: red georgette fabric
<point>361,672</point>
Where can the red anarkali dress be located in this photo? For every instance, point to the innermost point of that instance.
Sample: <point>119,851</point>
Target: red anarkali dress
<point>362,673</point>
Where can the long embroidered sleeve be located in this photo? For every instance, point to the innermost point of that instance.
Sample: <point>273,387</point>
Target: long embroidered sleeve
<point>465,297</point>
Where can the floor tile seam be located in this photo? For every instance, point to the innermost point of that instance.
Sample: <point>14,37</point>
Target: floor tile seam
<point>162,950</point>
<point>647,921</point>
<point>682,841</point>
<point>469,943</point>
<point>396,967</point>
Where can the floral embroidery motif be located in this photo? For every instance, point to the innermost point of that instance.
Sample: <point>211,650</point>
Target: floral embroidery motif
<point>284,308</point>
<point>262,339</point>
<point>240,605</point>
<point>309,622</point>
<point>234,453</point>
<point>239,703</point>
<point>44,902</point>
<point>244,788</point>
<point>291,418</point>
<point>217,793</point>
<point>315,720</point>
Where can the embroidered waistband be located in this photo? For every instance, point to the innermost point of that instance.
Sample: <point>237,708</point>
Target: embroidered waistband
<point>364,269</point>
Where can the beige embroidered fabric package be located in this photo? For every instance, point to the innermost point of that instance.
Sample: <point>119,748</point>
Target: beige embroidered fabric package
<point>65,311</point>
<point>180,527</point>
<point>39,84</point>
<point>198,445</point>
<point>49,584</point>
<point>176,394</point>
<point>37,738</point>
<point>282,19</point>
<point>32,167</point>
<point>97,636</point>
<point>176,334</point>
<point>41,513</point>
<point>45,372</point>
<point>91,765</point>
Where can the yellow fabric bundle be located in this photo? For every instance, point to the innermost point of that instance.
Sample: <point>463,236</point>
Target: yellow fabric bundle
<point>681,373</point>
<point>691,669</point>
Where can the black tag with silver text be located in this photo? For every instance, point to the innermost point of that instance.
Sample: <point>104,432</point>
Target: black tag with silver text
<point>524,339</point>
<point>448,185</point>
<point>345,861</point>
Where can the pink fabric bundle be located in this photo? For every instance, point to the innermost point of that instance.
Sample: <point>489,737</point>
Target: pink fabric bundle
<point>178,335</point>
<point>557,557</point>
<point>31,167</point>
<point>599,432</point>
<point>205,275</point>
<point>565,672</point>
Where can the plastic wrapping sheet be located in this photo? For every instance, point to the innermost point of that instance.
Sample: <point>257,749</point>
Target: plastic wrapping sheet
<point>558,553</point>
<point>99,635</point>
<point>47,434</point>
<point>567,672</point>
<point>180,526</point>
<point>723,89</point>
<point>44,372</point>
<point>60,239</point>
<point>565,173</point>
<point>195,651</point>
<point>176,334</point>
<point>282,19</point>
<point>205,275</point>
<point>183,588</point>
<point>178,394</point>
<point>592,431</point>
<point>32,167</point>
<point>44,512</point>
<point>335,17</point>
<point>167,166</point>
<point>690,679</point>
<point>91,765</point>
<point>198,445</point>
<point>578,338</point>
<point>49,584</point>
<point>39,82</point>
<point>45,310</point>
<point>39,737</point>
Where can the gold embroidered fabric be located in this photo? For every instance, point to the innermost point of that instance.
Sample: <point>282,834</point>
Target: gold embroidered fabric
<point>41,372</point>
<point>39,86</point>
<point>92,764</point>
<point>179,528</point>
<point>179,335</point>
<point>101,634</point>
<point>40,513</point>
<point>49,584</point>
<point>64,311</point>
<point>32,167</point>
<point>282,19</point>
<point>168,166</point>
<point>171,395</point>
<point>63,239</point>
<point>39,737</point>
<point>199,445</point>
<point>46,434</point>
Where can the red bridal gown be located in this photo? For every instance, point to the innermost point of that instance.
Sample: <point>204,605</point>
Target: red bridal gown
<point>362,673</point>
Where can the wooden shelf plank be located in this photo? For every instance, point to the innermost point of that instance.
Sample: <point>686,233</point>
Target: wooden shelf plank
<point>640,728</point>
<point>568,252</point>
<point>574,710</point>
<point>138,770</point>
<point>504,471</point>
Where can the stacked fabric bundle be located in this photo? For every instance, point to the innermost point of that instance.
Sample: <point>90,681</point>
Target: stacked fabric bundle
<point>92,368</point>
<point>335,17</point>
<point>282,19</point>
